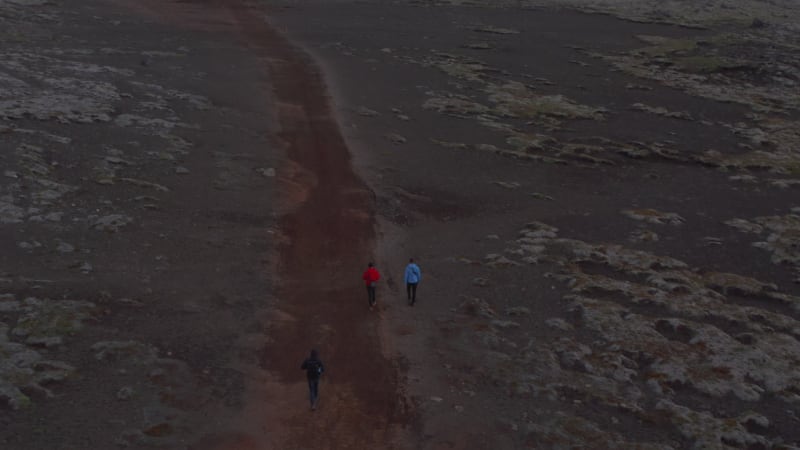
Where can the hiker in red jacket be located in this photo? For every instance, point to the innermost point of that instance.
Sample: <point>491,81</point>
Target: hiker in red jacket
<point>370,277</point>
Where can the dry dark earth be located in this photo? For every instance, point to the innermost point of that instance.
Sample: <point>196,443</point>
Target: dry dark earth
<point>602,197</point>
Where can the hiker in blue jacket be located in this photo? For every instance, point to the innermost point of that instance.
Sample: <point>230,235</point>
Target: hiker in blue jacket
<point>413,276</point>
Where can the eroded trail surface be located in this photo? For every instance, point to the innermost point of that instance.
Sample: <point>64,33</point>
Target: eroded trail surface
<point>328,233</point>
<point>329,237</point>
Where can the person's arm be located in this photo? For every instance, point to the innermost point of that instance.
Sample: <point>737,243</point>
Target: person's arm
<point>419,273</point>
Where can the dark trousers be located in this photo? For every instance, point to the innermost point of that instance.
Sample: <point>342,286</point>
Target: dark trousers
<point>371,295</point>
<point>313,390</point>
<point>411,289</point>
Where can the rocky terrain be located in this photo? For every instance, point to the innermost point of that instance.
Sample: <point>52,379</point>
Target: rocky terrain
<point>602,196</point>
<point>136,205</point>
<point>604,205</point>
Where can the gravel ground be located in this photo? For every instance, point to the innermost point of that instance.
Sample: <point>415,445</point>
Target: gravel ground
<point>602,197</point>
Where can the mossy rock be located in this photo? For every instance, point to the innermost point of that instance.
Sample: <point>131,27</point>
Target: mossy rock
<point>708,64</point>
<point>52,318</point>
<point>663,46</point>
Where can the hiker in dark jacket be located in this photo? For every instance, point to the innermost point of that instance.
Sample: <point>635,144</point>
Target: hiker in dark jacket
<point>314,369</point>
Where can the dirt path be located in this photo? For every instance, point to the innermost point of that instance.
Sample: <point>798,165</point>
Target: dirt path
<point>328,233</point>
<point>329,239</point>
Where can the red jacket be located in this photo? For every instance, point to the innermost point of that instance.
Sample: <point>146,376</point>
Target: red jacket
<point>371,275</point>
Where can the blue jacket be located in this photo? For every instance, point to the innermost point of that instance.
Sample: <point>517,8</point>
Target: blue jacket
<point>413,274</point>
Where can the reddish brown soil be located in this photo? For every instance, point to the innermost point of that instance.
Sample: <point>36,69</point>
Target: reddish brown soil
<point>329,234</point>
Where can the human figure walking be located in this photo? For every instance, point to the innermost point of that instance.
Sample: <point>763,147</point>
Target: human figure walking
<point>314,369</point>
<point>412,277</point>
<point>371,277</point>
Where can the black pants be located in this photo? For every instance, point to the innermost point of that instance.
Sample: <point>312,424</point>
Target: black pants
<point>371,295</point>
<point>313,391</point>
<point>411,289</point>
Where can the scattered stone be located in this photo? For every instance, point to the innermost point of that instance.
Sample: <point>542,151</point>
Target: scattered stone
<point>785,184</point>
<point>661,111</point>
<point>643,236</point>
<point>639,87</point>
<point>145,198</point>
<point>180,170</point>
<point>559,324</point>
<point>53,216</point>
<point>508,184</point>
<point>743,178</point>
<point>111,223</point>
<point>654,216</point>
<point>454,145</point>
<point>455,106</point>
<point>395,138</point>
<point>159,429</point>
<point>29,245</point>
<point>480,281</point>
<point>499,261</point>
<point>515,251</point>
<point>504,324</point>
<point>117,160</point>
<point>125,393</point>
<point>366,112</point>
<point>494,30</point>
<point>145,184</point>
<point>130,302</point>
<point>477,307</point>
<point>540,196</point>
<point>745,226</point>
<point>268,172</point>
<point>518,311</point>
<point>478,46</point>
<point>151,123</point>
<point>134,352</point>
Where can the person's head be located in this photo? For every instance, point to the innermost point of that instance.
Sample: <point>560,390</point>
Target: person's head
<point>371,264</point>
<point>314,354</point>
<point>410,260</point>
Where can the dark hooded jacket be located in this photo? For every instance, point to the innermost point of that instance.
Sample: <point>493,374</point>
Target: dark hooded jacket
<point>313,366</point>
